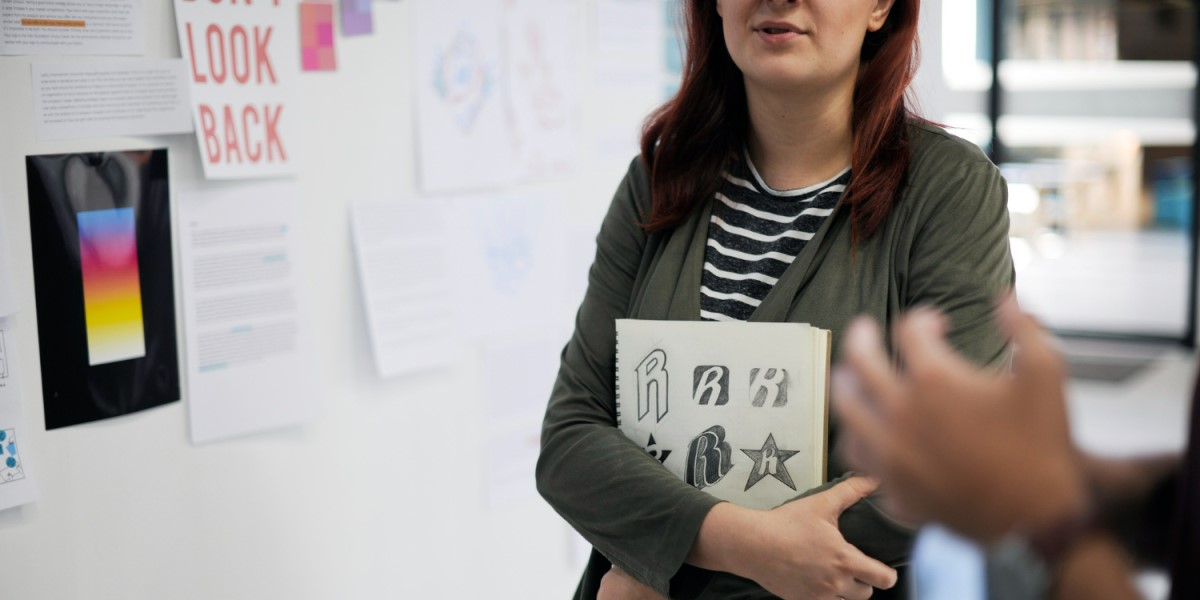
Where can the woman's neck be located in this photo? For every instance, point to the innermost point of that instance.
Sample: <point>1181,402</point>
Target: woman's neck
<point>795,141</point>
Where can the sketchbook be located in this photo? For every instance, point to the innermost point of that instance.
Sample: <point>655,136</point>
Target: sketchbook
<point>738,410</point>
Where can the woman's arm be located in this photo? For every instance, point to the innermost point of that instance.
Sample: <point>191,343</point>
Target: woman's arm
<point>958,259</point>
<point>635,512</point>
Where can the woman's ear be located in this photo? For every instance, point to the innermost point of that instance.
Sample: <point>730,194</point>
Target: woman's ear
<point>879,15</point>
<point>719,9</point>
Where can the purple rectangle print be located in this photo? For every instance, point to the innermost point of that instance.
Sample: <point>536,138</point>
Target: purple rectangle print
<point>356,17</point>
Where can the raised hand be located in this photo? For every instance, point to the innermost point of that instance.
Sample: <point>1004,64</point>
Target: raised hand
<point>983,452</point>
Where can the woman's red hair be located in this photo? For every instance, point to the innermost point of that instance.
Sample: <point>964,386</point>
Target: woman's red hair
<point>688,142</point>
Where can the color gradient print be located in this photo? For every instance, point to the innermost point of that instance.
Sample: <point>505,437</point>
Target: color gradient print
<point>316,37</point>
<point>112,293</point>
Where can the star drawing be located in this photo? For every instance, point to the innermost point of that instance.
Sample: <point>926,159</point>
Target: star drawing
<point>652,448</point>
<point>769,460</point>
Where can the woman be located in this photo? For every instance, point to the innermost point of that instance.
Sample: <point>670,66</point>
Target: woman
<point>787,181</point>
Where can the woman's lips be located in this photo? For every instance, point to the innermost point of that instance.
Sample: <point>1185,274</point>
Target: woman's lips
<point>778,33</point>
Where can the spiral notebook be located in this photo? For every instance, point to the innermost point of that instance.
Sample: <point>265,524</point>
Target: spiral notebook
<point>738,410</point>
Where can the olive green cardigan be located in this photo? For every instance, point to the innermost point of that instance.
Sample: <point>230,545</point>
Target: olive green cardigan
<point>945,244</point>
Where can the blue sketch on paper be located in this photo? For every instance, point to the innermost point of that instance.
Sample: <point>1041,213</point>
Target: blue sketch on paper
<point>508,249</point>
<point>10,461</point>
<point>509,261</point>
<point>463,79</point>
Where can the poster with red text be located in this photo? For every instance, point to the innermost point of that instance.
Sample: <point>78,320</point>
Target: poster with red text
<point>243,57</point>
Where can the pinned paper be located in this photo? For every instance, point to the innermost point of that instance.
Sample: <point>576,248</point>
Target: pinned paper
<point>103,273</point>
<point>243,59</point>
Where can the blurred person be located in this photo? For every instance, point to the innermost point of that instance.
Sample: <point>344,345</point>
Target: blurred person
<point>990,455</point>
<point>787,181</point>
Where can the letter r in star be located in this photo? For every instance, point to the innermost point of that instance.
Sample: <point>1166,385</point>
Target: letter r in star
<point>769,460</point>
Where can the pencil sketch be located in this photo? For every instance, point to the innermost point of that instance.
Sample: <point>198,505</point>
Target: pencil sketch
<point>772,385</point>
<point>710,383</point>
<point>652,384</point>
<point>709,458</point>
<point>654,451</point>
<point>769,460</point>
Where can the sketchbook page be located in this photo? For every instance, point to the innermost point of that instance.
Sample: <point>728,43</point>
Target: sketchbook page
<point>250,361</point>
<point>733,409</point>
<point>405,270</point>
<point>16,477</point>
<point>463,139</point>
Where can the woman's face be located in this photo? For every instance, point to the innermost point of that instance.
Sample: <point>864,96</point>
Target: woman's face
<point>784,45</point>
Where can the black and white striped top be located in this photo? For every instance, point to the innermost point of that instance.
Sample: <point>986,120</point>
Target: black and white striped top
<point>754,234</point>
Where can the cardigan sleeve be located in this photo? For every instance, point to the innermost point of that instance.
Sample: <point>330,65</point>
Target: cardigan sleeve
<point>632,510</point>
<point>959,260</point>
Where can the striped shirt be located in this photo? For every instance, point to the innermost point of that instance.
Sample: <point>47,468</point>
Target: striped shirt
<point>754,234</point>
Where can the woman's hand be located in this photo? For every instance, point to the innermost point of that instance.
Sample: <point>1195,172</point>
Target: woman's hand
<point>795,551</point>
<point>618,585</point>
<point>805,556</point>
<point>979,451</point>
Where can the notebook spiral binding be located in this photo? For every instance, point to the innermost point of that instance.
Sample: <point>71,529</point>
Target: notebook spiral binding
<point>617,375</point>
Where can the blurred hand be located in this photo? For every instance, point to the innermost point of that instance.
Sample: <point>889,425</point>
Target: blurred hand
<point>982,452</point>
<point>619,585</point>
<point>802,555</point>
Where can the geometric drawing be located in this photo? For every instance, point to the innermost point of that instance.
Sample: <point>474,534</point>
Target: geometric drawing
<point>316,37</point>
<point>10,461</point>
<point>769,460</point>
<point>710,383</point>
<point>652,449</point>
<point>463,79</point>
<point>112,293</point>
<point>772,386</point>
<point>709,458</point>
<point>652,384</point>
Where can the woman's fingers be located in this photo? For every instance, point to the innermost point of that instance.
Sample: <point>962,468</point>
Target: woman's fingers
<point>867,570</point>
<point>856,590</point>
<point>848,493</point>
